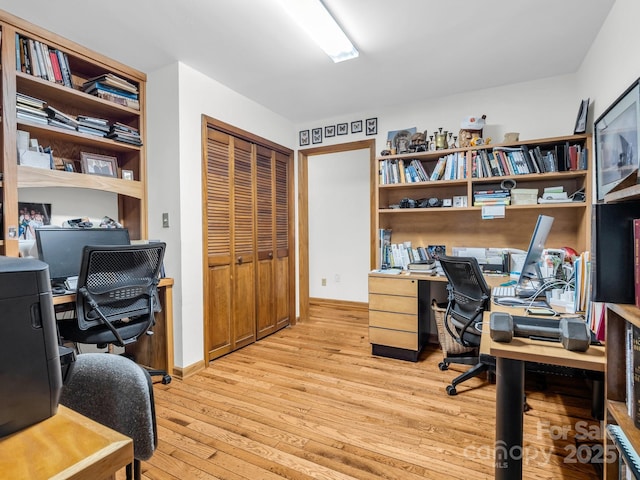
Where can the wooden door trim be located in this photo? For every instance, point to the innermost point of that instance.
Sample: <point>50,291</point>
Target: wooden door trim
<point>303,211</point>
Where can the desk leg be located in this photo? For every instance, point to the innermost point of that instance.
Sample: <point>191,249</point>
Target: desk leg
<point>509,418</point>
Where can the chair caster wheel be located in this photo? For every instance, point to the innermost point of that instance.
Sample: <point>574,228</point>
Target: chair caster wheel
<point>443,366</point>
<point>451,390</point>
<point>166,379</point>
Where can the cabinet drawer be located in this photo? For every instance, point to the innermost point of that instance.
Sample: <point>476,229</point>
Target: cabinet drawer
<point>393,338</point>
<point>390,303</point>
<point>394,286</point>
<point>395,321</point>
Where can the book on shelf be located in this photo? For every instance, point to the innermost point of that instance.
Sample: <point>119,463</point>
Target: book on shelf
<point>99,86</point>
<point>38,59</point>
<point>636,260</point>
<point>628,459</point>
<point>61,116</point>
<point>119,99</point>
<point>23,99</point>
<point>635,375</point>
<point>111,80</point>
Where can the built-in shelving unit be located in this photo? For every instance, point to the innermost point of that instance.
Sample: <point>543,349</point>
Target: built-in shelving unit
<point>464,226</point>
<point>68,145</point>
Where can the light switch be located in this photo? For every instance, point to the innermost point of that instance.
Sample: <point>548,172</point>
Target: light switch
<point>165,220</point>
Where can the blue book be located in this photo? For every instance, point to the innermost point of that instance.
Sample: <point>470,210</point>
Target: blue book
<point>102,87</point>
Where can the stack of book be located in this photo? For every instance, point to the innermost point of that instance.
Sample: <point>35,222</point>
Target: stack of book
<point>427,267</point>
<point>491,197</point>
<point>114,89</point>
<point>31,109</point>
<point>124,133</point>
<point>39,60</point>
<point>93,126</point>
<point>60,119</point>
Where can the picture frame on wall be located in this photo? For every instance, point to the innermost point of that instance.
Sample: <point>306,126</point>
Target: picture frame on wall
<point>316,135</point>
<point>304,137</point>
<point>356,127</point>
<point>617,138</point>
<point>95,164</point>
<point>330,131</point>
<point>342,128</point>
<point>371,126</point>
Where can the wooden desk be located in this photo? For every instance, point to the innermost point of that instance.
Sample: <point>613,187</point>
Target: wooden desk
<point>510,361</point>
<point>65,446</point>
<point>155,351</point>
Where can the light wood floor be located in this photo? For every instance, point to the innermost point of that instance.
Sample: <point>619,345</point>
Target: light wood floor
<point>310,402</point>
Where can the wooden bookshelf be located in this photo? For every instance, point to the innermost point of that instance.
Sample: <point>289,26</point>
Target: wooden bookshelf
<point>464,226</point>
<point>68,144</point>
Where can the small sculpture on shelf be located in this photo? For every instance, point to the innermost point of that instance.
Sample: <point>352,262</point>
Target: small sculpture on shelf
<point>471,130</point>
<point>441,139</point>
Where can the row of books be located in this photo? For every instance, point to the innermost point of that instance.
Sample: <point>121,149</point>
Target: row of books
<point>37,59</point>
<point>406,257</point>
<point>450,167</point>
<point>34,110</point>
<point>523,160</point>
<point>491,197</point>
<point>500,161</point>
<point>113,88</point>
<point>393,171</point>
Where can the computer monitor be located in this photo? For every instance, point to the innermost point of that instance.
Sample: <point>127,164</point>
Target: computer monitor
<point>531,266</point>
<point>61,248</point>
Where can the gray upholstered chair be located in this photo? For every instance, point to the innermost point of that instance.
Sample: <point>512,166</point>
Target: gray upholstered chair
<point>115,391</point>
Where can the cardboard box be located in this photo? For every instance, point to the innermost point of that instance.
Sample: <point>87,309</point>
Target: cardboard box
<point>524,196</point>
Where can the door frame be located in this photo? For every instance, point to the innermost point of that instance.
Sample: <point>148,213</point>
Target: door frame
<point>303,211</point>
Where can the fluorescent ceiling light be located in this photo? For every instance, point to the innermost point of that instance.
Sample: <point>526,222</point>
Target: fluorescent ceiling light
<point>316,20</point>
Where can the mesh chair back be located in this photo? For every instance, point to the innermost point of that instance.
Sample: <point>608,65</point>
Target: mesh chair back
<point>120,280</point>
<point>469,296</point>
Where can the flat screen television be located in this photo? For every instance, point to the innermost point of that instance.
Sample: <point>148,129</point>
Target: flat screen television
<point>61,248</point>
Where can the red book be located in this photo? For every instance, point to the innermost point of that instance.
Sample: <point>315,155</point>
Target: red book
<point>636,259</point>
<point>57,73</point>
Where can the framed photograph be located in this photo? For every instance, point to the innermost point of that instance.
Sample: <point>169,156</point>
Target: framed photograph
<point>304,137</point>
<point>356,127</point>
<point>69,165</point>
<point>581,121</point>
<point>616,141</point>
<point>32,216</point>
<point>330,131</point>
<point>343,128</point>
<point>371,126</point>
<point>95,164</point>
<point>316,135</point>
<point>127,174</point>
<point>401,139</point>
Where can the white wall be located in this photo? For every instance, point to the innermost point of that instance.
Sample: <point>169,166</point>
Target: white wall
<point>536,109</point>
<point>175,134</point>
<point>613,62</point>
<point>339,224</point>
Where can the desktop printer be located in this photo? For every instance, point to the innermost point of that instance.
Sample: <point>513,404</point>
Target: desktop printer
<point>30,359</point>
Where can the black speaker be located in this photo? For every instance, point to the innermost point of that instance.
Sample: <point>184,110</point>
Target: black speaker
<point>612,278</point>
<point>30,372</point>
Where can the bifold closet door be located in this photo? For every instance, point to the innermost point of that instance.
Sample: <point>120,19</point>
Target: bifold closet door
<point>272,287</point>
<point>230,295</point>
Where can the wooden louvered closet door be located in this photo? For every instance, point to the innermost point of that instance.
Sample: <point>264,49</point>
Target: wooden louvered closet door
<point>248,231</point>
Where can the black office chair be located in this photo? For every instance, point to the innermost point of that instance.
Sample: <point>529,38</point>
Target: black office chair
<point>116,392</point>
<point>468,296</point>
<point>117,296</point>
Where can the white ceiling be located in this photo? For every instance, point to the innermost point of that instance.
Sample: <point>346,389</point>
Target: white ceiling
<point>410,50</point>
